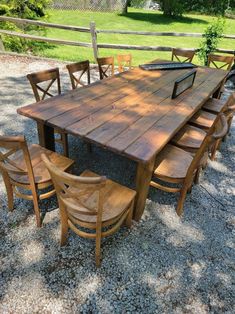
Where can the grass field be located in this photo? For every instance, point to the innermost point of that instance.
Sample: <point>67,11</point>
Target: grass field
<point>139,20</point>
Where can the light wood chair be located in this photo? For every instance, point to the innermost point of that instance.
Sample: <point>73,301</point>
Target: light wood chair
<point>182,55</point>
<point>124,62</point>
<point>191,137</point>
<point>21,167</point>
<point>228,111</point>
<point>106,67</point>
<point>51,76</point>
<point>80,68</point>
<point>176,166</point>
<point>220,61</point>
<point>92,202</point>
<point>203,119</point>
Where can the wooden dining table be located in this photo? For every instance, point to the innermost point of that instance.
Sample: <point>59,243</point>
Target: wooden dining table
<point>131,114</point>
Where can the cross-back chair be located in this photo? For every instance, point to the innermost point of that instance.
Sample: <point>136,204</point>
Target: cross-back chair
<point>176,166</point>
<point>220,62</point>
<point>52,77</point>
<point>21,167</point>
<point>106,67</point>
<point>92,202</point>
<point>182,55</point>
<point>124,62</point>
<point>77,72</point>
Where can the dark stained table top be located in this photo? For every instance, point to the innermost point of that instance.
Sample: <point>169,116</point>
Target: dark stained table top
<point>131,113</point>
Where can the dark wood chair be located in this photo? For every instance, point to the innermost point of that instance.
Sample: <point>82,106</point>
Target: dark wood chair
<point>23,170</point>
<point>182,55</point>
<point>51,77</point>
<point>124,62</point>
<point>106,67</point>
<point>176,166</point>
<point>92,202</point>
<point>77,72</point>
<point>220,61</point>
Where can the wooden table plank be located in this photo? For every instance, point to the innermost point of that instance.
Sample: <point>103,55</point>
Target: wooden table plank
<point>150,107</point>
<point>152,141</point>
<point>158,107</point>
<point>85,126</point>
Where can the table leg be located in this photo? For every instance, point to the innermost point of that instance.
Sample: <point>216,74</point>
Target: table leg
<point>46,136</point>
<point>143,178</point>
<point>217,93</point>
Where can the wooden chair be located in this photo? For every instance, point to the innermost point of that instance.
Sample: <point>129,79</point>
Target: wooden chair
<point>203,119</point>
<point>229,113</point>
<point>80,68</point>
<point>92,202</point>
<point>124,61</point>
<point>51,76</point>
<point>190,137</point>
<point>220,62</point>
<point>21,167</point>
<point>178,54</point>
<point>106,67</point>
<point>176,166</point>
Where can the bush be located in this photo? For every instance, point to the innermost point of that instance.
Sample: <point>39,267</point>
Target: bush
<point>212,36</point>
<point>29,9</point>
<point>4,9</point>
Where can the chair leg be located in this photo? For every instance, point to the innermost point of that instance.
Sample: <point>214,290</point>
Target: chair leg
<point>214,149</point>
<point>197,175</point>
<point>64,227</point>
<point>128,219</point>
<point>36,209</point>
<point>98,250</point>
<point>64,138</point>
<point>183,193</point>
<point>9,189</point>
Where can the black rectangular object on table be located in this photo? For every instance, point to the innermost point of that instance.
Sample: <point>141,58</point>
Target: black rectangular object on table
<point>167,66</point>
<point>183,83</point>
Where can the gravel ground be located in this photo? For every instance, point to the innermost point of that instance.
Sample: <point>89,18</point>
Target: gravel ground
<point>162,265</point>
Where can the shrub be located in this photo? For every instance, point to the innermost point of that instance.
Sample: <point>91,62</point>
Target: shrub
<point>211,38</point>
<point>29,9</point>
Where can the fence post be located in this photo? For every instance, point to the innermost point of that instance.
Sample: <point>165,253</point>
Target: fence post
<point>94,39</point>
<point>2,48</point>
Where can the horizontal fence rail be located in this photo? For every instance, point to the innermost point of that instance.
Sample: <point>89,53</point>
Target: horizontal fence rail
<point>94,38</point>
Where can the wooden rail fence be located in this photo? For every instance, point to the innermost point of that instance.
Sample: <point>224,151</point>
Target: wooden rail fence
<point>94,36</point>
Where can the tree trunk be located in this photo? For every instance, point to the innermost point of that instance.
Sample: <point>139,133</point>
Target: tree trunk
<point>125,8</point>
<point>167,10</point>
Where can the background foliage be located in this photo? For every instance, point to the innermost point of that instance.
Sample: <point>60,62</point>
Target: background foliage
<point>28,9</point>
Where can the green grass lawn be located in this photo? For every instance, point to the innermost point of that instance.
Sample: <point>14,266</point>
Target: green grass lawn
<point>139,20</point>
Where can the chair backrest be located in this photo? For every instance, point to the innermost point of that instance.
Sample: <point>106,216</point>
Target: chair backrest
<point>220,62</point>
<point>106,67</point>
<point>51,76</point>
<point>212,135</point>
<point>182,55</point>
<point>124,61</point>
<point>80,68</point>
<point>12,145</point>
<point>72,191</point>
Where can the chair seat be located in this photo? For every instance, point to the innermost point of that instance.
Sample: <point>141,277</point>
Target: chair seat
<point>172,162</point>
<point>41,174</point>
<point>203,119</point>
<point>189,136</point>
<point>215,105</point>
<point>117,198</point>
